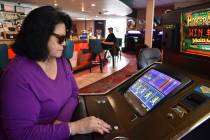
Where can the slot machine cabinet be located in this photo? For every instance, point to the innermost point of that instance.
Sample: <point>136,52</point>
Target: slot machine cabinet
<point>171,118</point>
<point>170,23</point>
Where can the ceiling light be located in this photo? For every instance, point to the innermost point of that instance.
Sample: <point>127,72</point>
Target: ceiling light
<point>108,13</point>
<point>55,3</point>
<point>83,6</point>
<point>93,5</point>
<point>81,18</point>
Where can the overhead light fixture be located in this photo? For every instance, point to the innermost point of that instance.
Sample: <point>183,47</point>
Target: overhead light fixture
<point>55,3</point>
<point>81,18</point>
<point>93,5</point>
<point>83,6</point>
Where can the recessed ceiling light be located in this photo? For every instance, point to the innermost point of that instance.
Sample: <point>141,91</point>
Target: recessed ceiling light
<point>93,5</point>
<point>83,9</point>
<point>83,6</point>
<point>55,4</point>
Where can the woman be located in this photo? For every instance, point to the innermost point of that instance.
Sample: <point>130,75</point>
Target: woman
<point>38,93</point>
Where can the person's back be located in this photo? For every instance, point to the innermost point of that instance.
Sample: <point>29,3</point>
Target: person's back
<point>111,38</point>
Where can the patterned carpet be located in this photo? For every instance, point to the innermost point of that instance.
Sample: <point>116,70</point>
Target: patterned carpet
<point>85,77</point>
<point>114,79</point>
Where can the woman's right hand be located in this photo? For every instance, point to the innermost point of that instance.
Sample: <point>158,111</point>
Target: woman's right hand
<point>89,125</point>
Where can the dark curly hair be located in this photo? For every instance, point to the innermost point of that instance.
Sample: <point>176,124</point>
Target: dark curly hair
<point>36,29</point>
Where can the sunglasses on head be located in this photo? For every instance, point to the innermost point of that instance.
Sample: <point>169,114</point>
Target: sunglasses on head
<point>61,38</point>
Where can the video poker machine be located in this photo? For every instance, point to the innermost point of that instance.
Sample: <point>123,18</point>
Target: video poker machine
<point>168,100</point>
<point>159,102</point>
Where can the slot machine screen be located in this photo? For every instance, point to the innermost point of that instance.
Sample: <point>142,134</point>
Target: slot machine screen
<point>150,89</point>
<point>195,32</point>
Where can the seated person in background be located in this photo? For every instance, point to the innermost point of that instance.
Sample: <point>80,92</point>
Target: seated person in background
<point>38,92</point>
<point>108,43</point>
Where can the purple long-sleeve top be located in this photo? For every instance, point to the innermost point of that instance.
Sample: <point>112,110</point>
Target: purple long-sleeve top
<point>30,101</point>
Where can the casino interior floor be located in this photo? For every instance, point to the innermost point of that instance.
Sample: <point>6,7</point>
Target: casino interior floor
<point>86,77</point>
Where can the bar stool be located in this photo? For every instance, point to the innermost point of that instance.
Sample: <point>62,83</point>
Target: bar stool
<point>95,49</point>
<point>120,46</point>
<point>68,51</point>
<point>115,51</point>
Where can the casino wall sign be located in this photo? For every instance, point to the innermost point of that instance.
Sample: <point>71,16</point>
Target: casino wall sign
<point>195,32</point>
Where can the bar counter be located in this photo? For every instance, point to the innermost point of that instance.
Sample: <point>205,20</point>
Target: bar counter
<point>80,57</point>
<point>9,43</point>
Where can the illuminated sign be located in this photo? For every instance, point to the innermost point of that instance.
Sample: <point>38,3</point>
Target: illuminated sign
<point>169,26</point>
<point>198,18</point>
<point>9,7</point>
<point>195,31</point>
